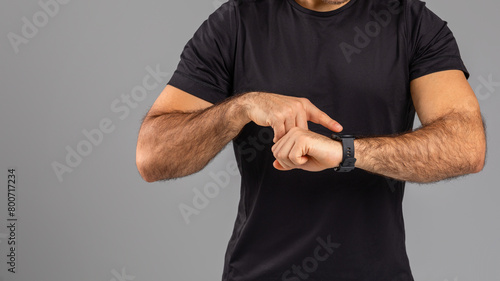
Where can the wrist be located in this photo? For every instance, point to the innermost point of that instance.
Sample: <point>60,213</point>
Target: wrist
<point>336,153</point>
<point>239,109</point>
<point>245,104</point>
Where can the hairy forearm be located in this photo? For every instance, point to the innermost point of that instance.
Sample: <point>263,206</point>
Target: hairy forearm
<point>447,147</point>
<point>177,144</point>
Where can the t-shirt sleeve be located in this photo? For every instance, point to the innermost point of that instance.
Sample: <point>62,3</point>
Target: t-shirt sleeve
<point>432,44</point>
<point>206,66</point>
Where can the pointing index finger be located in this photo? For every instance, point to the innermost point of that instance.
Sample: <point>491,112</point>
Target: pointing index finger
<point>317,116</point>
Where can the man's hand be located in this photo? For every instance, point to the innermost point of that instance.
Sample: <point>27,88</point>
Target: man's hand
<point>306,150</point>
<point>191,131</point>
<point>284,113</point>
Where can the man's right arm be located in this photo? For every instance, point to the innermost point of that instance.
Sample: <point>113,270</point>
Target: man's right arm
<point>182,133</point>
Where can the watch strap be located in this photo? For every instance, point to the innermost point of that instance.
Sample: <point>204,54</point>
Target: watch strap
<point>348,159</point>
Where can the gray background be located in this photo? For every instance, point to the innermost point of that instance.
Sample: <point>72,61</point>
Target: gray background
<point>103,221</point>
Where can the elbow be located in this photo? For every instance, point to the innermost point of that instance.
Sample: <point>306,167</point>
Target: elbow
<point>479,161</point>
<point>144,166</point>
<point>479,157</point>
<point>478,146</point>
<point>146,177</point>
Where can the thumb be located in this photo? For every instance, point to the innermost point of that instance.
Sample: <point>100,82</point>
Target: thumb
<point>278,166</point>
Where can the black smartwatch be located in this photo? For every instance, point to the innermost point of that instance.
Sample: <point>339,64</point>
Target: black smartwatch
<point>348,159</point>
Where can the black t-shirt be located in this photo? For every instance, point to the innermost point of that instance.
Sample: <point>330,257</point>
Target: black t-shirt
<point>355,64</point>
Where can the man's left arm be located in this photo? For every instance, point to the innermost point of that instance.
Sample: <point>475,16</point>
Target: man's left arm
<point>450,143</point>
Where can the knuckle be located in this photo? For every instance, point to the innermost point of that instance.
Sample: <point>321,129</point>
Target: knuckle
<point>282,155</point>
<point>304,100</point>
<point>279,115</point>
<point>295,159</point>
<point>275,154</point>
<point>299,105</point>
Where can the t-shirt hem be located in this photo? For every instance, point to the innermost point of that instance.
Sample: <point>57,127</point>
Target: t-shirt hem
<point>197,88</point>
<point>457,65</point>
